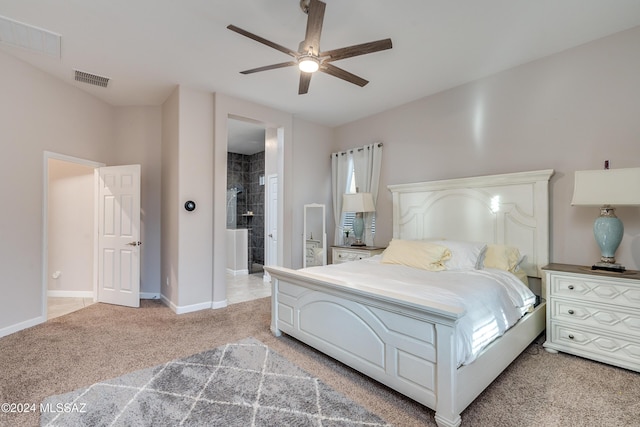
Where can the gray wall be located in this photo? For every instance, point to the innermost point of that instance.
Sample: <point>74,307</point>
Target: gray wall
<point>570,111</point>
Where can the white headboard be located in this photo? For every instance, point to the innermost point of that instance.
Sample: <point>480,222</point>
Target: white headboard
<point>510,209</point>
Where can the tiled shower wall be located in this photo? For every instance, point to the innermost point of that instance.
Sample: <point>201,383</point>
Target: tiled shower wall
<point>246,171</point>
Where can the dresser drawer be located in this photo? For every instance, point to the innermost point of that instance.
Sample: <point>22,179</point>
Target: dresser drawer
<point>611,318</point>
<point>346,254</point>
<point>597,345</point>
<point>594,289</point>
<point>343,255</point>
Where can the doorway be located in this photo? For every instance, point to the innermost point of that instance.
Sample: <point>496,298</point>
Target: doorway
<point>245,209</point>
<point>68,234</point>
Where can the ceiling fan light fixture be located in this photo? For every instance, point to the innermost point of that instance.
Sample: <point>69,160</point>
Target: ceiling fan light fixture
<point>308,64</point>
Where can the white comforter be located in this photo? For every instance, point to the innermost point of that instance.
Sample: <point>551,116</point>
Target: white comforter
<point>492,300</point>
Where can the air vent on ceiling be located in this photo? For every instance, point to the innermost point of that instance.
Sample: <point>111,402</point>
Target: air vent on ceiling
<point>27,36</point>
<point>91,79</point>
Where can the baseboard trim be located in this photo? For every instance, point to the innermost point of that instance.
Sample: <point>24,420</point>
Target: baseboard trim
<point>69,294</point>
<point>150,295</point>
<point>166,301</point>
<point>219,304</point>
<point>22,325</point>
<point>89,294</point>
<point>193,307</point>
<point>244,272</point>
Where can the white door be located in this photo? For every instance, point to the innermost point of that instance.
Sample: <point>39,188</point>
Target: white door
<point>271,246</point>
<point>118,255</point>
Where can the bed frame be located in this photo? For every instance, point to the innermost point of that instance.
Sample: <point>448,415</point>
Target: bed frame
<point>410,345</point>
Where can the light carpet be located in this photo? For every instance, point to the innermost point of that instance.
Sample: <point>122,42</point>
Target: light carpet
<point>239,384</point>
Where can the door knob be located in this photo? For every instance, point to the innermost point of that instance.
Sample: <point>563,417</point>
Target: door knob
<point>134,243</point>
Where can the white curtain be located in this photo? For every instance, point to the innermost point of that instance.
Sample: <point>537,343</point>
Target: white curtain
<point>364,163</point>
<point>340,173</point>
<point>367,162</point>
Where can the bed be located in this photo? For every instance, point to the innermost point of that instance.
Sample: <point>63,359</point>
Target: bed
<point>410,344</point>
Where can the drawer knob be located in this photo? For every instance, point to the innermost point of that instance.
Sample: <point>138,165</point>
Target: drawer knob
<point>571,336</point>
<point>570,287</point>
<point>571,311</point>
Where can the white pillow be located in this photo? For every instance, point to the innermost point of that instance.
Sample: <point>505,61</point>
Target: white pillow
<point>464,255</point>
<point>417,254</point>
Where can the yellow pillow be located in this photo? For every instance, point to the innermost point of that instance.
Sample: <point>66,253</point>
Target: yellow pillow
<point>502,257</point>
<point>417,254</point>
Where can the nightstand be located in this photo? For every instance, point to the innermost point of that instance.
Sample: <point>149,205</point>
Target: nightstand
<point>340,254</point>
<point>594,314</point>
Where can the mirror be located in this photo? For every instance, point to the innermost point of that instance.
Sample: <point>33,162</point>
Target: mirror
<point>314,236</point>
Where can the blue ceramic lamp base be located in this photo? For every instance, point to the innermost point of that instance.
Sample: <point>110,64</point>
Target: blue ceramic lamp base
<point>608,231</point>
<point>358,229</point>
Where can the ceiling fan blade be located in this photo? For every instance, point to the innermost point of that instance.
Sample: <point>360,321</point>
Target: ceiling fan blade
<point>314,27</point>
<point>269,67</point>
<point>305,79</point>
<point>263,41</point>
<point>356,50</point>
<point>342,74</point>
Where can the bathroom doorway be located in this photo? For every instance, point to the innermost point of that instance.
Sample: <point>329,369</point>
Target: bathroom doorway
<point>245,207</point>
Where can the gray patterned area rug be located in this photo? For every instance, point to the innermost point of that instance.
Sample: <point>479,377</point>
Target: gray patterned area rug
<point>239,384</point>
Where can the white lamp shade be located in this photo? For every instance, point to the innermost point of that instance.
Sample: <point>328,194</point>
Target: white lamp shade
<point>615,187</point>
<point>358,202</point>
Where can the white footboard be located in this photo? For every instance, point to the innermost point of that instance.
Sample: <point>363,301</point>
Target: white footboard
<point>404,346</point>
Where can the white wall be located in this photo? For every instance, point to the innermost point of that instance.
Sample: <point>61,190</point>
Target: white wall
<point>195,183</point>
<point>226,106</point>
<point>311,167</point>
<point>138,140</point>
<point>70,228</point>
<point>169,200</point>
<point>41,113</point>
<point>37,113</point>
<point>194,167</point>
<point>570,111</point>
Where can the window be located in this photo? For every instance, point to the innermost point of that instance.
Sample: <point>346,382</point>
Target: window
<point>348,217</point>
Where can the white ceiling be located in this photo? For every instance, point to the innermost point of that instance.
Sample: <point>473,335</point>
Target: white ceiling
<point>147,47</point>
<point>245,137</point>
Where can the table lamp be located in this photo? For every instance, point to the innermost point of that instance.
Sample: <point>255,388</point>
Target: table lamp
<point>358,203</point>
<point>607,188</point>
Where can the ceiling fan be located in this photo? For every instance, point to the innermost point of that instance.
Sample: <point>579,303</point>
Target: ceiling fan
<point>309,58</point>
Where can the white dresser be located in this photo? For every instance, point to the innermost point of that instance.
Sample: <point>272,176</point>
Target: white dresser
<point>341,254</point>
<point>310,253</point>
<point>594,314</point>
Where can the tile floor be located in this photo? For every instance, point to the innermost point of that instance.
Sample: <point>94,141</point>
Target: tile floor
<point>247,287</point>
<point>239,289</point>
<point>58,306</point>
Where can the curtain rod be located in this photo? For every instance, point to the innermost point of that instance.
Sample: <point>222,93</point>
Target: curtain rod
<point>342,153</point>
